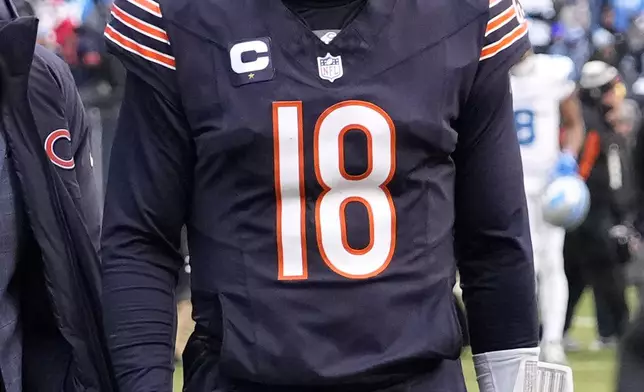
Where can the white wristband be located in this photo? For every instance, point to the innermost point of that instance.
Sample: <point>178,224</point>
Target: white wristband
<point>508,370</point>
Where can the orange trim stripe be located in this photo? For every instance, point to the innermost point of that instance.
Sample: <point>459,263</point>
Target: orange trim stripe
<point>500,20</point>
<point>590,154</point>
<point>494,3</point>
<point>148,5</point>
<point>505,42</point>
<point>139,25</point>
<point>138,49</point>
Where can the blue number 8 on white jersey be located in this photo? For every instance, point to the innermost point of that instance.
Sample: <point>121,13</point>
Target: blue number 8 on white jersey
<point>539,84</point>
<point>524,123</point>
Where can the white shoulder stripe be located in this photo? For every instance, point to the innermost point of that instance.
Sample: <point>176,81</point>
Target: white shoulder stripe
<point>501,20</point>
<point>505,42</point>
<point>149,6</point>
<point>139,25</point>
<point>494,3</point>
<point>136,48</point>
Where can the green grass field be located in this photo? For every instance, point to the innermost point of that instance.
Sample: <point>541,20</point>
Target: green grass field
<point>593,371</point>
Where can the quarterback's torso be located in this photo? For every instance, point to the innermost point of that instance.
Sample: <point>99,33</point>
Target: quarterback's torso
<point>322,202</point>
<point>314,195</point>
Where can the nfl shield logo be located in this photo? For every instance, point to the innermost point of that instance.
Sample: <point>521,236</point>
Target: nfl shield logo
<point>330,67</point>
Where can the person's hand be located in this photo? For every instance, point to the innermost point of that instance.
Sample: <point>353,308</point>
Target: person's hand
<point>566,165</point>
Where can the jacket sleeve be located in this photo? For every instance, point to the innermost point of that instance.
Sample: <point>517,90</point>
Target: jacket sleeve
<point>147,199</point>
<point>491,230</point>
<point>55,100</point>
<point>85,176</point>
<point>82,151</point>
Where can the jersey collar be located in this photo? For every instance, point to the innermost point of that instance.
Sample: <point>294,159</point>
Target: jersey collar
<point>297,39</point>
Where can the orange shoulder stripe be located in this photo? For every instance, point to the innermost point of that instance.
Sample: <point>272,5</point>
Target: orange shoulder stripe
<point>132,46</point>
<point>505,42</point>
<point>139,25</point>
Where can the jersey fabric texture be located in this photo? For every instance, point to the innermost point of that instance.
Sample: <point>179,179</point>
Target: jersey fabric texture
<point>324,187</point>
<point>326,15</point>
<point>537,93</point>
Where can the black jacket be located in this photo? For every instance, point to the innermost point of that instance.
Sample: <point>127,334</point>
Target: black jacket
<point>611,186</point>
<point>58,267</point>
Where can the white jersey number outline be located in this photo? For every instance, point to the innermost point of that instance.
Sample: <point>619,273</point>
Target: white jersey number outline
<point>339,189</point>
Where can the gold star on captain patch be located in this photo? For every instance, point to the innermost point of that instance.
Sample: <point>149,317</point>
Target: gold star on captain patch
<point>251,76</point>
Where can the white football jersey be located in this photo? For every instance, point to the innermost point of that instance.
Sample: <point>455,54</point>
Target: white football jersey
<point>540,7</point>
<point>539,84</point>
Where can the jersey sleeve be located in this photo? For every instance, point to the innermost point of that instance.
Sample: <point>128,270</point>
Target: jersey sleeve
<point>146,203</point>
<point>491,231</point>
<point>506,34</point>
<point>136,35</point>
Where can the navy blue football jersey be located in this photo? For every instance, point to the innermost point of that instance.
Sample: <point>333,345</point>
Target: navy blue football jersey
<point>325,187</point>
